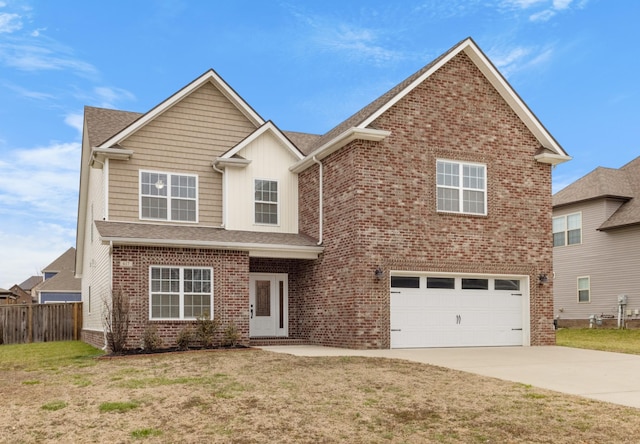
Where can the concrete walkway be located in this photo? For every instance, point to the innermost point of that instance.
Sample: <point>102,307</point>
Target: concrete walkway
<point>604,376</point>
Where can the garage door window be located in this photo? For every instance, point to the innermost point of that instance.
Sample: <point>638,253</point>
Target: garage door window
<point>405,282</point>
<point>441,282</point>
<point>475,284</point>
<point>507,284</point>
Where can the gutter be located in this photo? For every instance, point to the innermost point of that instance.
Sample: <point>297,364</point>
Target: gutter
<point>320,193</point>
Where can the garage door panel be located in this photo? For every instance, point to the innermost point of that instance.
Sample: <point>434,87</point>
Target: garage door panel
<point>435,317</point>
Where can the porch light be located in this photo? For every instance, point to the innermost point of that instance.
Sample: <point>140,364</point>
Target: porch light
<point>542,278</point>
<point>378,273</point>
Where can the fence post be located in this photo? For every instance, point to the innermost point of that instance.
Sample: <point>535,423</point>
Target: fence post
<point>30,323</point>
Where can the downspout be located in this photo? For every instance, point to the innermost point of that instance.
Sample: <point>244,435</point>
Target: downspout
<point>320,208</point>
<point>224,197</point>
<point>106,341</point>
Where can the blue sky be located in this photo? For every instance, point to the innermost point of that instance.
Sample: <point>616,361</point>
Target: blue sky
<point>306,65</point>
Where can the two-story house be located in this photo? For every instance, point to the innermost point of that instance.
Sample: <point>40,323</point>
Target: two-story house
<point>596,238</point>
<point>423,220</point>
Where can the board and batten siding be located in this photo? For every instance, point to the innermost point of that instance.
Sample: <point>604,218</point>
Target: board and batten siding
<point>184,139</point>
<point>270,161</point>
<point>610,259</point>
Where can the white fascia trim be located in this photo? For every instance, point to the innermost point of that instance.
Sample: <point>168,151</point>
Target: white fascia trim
<point>257,250</point>
<point>209,76</point>
<point>268,126</point>
<point>100,154</point>
<point>354,133</point>
<point>551,159</point>
<point>232,162</point>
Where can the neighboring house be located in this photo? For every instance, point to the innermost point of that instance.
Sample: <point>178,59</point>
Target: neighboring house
<point>22,296</point>
<point>60,283</point>
<point>423,220</point>
<point>7,297</point>
<point>29,286</point>
<point>596,233</point>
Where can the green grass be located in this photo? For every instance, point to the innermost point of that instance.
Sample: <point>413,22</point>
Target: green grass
<point>613,340</point>
<point>54,405</point>
<point>46,355</point>
<point>119,407</point>
<point>145,433</point>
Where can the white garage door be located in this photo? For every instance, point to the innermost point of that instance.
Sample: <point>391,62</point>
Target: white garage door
<point>443,311</point>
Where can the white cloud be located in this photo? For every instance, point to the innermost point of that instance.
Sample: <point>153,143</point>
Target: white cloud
<point>110,95</point>
<point>75,120</point>
<point>512,60</point>
<point>9,22</point>
<point>548,8</point>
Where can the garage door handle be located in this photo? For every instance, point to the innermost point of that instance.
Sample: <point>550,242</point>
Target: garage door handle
<point>396,329</point>
<point>516,329</point>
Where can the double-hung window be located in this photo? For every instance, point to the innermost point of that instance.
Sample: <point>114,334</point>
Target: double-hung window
<point>567,230</point>
<point>461,187</point>
<point>266,202</point>
<point>584,289</point>
<point>180,292</point>
<point>168,196</point>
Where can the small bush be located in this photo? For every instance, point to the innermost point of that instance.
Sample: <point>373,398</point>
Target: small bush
<point>145,433</point>
<point>231,335</point>
<point>116,320</point>
<point>206,329</point>
<point>151,340</point>
<point>184,339</point>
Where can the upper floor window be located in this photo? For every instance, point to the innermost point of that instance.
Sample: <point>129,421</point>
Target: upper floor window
<point>167,196</point>
<point>266,202</point>
<point>462,187</point>
<point>567,230</point>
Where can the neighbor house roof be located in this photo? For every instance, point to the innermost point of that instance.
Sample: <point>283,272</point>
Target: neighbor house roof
<point>63,281</point>
<point>66,261</point>
<point>30,283</point>
<point>607,183</point>
<point>258,244</point>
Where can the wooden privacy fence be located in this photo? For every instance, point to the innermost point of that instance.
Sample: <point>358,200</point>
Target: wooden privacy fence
<point>20,324</point>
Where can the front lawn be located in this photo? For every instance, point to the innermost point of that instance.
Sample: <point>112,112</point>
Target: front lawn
<point>613,340</point>
<point>254,396</point>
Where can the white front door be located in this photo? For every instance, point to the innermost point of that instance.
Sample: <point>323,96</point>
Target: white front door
<point>268,305</point>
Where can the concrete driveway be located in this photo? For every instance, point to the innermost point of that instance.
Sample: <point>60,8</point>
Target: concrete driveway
<point>604,376</point>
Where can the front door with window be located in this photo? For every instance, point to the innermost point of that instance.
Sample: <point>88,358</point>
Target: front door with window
<point>268,305</point>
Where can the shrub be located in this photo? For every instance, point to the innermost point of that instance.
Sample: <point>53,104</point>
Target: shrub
<point>116,320</point>
<point>206,329</point>
<point>151,340</point>
<point>231,335</point>
<point>185,336</point>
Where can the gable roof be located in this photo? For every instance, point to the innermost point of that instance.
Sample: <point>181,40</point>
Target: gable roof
<point>64,281</point>
<point>361,120</point>
<point>103,123</point>
<point>269,127</point>
<point>607,183</point>
<point>210,76</point>
<point>31,282</point>
<point>66,261</point>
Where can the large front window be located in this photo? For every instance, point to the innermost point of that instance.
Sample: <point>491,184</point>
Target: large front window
<point>461,187</point>
<point>166,196</point>
<point>567,230</point>
<point>180,292</point>
<point>266,202</point>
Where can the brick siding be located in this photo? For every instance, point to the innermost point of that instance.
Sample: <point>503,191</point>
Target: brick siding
<point>380,209</point>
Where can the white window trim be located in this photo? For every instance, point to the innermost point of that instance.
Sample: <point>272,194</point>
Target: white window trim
<point>461,188</point>
<point>254,202</point>
<point>168,197</point>
<point>566,229</point>
<point>588,278</point>
<point>181,293</point>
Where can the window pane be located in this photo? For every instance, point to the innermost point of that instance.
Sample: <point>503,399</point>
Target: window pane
<point>183,210</point>
<point>583,296</point>
<point>448,174</point>
<point>154,208</point>
<point>558,239</point>
<point>573,237</point>
<point>583,283</point>
<point>473,202</point>
<point>558,224</point>
<point>266,213</point>
<point>438,282</point>
<point>448,199</point>
<point>475,284</point>
<point>405,281</point>
<point>473,177</point>
<point>507,284</point>
<point>574,221</point>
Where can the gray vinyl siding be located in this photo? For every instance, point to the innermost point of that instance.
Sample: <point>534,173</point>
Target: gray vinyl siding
<point>610,258</point>
<point>184,139</point>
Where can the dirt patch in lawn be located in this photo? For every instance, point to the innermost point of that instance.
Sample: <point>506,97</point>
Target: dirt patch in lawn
<point>254,396</point>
